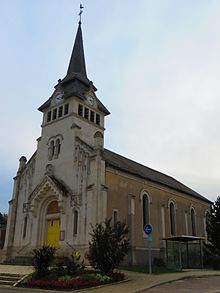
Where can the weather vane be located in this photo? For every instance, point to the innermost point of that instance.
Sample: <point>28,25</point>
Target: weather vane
<point>80,13</point>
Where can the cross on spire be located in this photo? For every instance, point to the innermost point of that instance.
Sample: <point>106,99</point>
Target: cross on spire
<point>80,13</point>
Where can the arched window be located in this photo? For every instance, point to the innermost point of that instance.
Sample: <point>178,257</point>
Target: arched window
<point>57,148</point>
<point>51,150</point>
<point>206,221</point>
<point>115,216</point>
<point>193,221</point>
<point>54,148</point>
<point>25,227</point>
<point>145,206</point>
<point>75,222</point>
<point>172,219</point>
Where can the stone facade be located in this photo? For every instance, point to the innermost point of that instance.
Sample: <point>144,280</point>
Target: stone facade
<point>125,195</point>
<point>73,182</point>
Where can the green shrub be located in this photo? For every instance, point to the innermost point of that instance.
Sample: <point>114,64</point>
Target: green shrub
<point>214,261</point>
<point>60,269</point>
<point>73,264</point>
<point>108,246</point>
<point>42,259</point>
<point>103,278</point>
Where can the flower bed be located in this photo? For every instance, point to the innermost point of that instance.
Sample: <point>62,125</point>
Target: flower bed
<point>80,281</point>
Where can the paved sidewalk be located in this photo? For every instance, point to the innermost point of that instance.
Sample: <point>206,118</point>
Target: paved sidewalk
<point>22,270</point>
<point>136,281</point>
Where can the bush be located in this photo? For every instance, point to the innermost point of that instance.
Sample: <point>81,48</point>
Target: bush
<point>42,259</point>
<point>214,261</point>
<point>73,264</point>
<point>60,269</point>
<point>108,246</point>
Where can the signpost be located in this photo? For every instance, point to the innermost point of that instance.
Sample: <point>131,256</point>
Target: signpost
<point>148,230</point>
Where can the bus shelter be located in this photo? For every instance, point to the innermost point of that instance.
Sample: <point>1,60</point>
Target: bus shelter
<point>184,251</point>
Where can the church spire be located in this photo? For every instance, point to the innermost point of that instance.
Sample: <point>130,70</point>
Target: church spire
<point>77,65</point>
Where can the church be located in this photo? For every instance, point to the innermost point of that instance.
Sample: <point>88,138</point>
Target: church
<point>72,182</point>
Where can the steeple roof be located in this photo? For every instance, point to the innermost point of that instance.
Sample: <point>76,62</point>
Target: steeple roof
<point>77,63</point>
<point>76,82</point>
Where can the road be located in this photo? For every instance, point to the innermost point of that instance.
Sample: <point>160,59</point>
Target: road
<point>195,285</point>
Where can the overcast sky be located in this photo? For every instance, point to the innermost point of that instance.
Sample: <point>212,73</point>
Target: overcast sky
<point>156,64</point>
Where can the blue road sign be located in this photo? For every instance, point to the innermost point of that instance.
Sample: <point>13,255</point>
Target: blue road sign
<point>148,229</point>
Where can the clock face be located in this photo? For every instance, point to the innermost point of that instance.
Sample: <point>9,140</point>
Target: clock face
<point>90,100</point>
<point>58,98</point>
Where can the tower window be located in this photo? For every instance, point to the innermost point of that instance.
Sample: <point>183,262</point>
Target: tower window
<point>92,116</point>
<point>86,113</point>
<point>60,112</point>
<point>80,110</point>
<point>54,114</point>
<point>66,109</point>
<point>51,150</point>
<point>57,148</point>
<point>49,116</point>
<point>97,121</point>
<point>54,147</point>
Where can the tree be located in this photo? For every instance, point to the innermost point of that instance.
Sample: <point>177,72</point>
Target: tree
<point>3,219</point>
<point>213,228</point>
<point>108,246</point>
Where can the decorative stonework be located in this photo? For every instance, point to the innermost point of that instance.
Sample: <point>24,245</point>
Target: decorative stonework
<point>49,170</point>
<point>26,207</point>
<point>48,185</point>
<point>75,200</point>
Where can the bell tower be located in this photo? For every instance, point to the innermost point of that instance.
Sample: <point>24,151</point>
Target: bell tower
<point>69,152</point>
<point>73,112</point>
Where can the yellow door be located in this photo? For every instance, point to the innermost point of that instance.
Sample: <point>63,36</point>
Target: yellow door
<point>53,232</point>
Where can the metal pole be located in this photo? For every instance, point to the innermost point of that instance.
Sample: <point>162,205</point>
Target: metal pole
<point>149,257</point>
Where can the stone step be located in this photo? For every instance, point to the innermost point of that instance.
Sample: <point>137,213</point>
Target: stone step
<point>7,283</point>
<point>7,279</point>
<point>11,275</point>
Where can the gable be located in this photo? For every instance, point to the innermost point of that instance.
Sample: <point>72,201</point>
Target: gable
<point>48,184</point>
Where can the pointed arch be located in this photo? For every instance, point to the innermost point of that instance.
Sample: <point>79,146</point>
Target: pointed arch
<point>193,220</point>
<point>172,216</point>
<point>145,203</point>
<point>57,147</point>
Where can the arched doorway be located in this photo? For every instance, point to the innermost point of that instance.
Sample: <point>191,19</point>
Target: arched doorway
<point>53,224</point>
